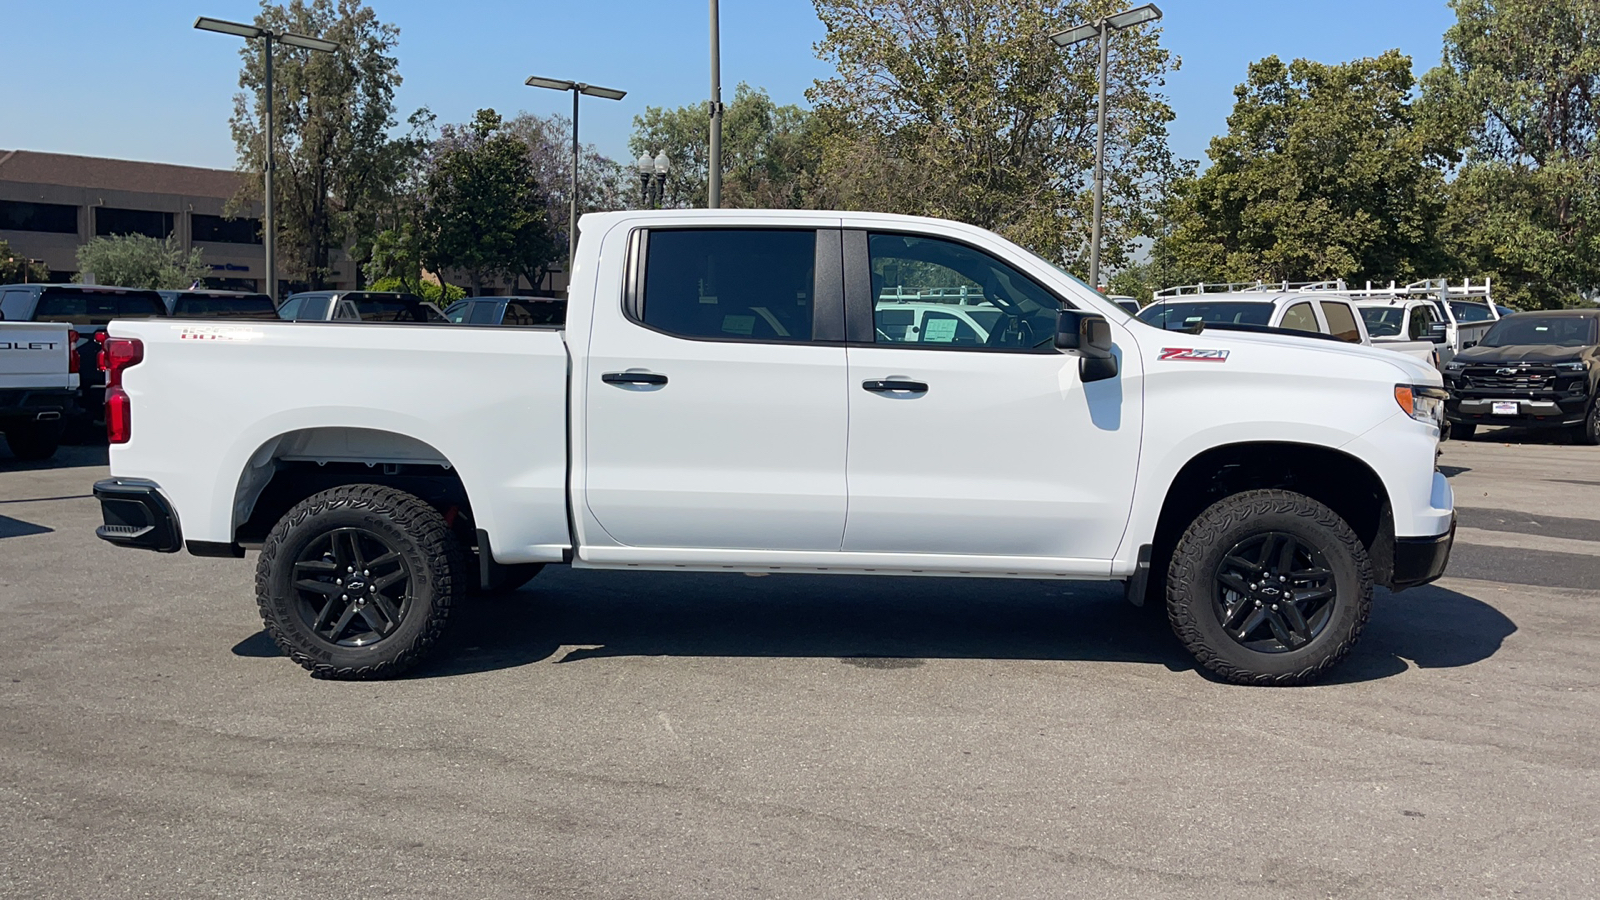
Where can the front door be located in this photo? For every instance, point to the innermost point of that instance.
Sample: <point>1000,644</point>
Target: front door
<point>970,434</point>
<point>716,418</point>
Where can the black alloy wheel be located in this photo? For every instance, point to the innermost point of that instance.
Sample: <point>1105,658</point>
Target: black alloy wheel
<point>1274,592</point>
<point>354,588</point>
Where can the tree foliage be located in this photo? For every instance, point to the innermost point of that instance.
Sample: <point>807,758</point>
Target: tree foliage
<point>16,269</point>
<point>770,153</point>
<point>603,184</point>
<point>484,210</point>
<point>963,109</point>
<point>141,261</point>
<point>1517,92</point>
<point>332,114</point>
<point>1324,173</point>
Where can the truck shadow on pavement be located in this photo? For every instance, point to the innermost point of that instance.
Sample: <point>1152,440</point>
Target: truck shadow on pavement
<point>67,457</point>
<point>571,616</point>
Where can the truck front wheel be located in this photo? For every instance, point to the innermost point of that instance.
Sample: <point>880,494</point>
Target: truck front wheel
<point>358,581</point>
<point>1269,587</point>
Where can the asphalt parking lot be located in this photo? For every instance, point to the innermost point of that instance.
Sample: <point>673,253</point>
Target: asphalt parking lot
<point>635,735</point>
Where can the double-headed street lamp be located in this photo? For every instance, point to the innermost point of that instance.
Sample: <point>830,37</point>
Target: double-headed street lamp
<point>267,36</point>
<point>653,178</point>
<point>1077,35</point>
<point>576,87</point>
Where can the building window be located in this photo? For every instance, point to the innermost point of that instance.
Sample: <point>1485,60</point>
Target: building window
<point>109,220</point>
<point>20,215</point>
<point>224,231</point>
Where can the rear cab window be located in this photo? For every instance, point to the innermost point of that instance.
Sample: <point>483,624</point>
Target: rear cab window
<point>97,307</point>
<point>227,306</point>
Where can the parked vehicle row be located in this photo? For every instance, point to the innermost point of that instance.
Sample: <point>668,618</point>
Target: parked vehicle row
<point>724,395</point>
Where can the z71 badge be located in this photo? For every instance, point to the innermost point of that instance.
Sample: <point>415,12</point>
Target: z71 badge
<point>1186,354</point>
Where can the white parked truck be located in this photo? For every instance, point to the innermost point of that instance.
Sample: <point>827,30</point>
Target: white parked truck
<point>722,398</point>
<point>38,385</point>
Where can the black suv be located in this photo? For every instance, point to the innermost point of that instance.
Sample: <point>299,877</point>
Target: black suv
<point>89,308</point>
<point>1533,369</point>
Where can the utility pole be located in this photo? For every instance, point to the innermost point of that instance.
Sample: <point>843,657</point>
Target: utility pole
<point>714,191</point>
<point>268,235</point>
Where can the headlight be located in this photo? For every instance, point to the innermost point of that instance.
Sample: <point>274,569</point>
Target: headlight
<point>1574,366</point>
<point>1454,365</point>
<point>1422,402</point>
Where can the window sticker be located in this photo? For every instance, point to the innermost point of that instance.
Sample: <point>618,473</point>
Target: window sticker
<point>938,331</point>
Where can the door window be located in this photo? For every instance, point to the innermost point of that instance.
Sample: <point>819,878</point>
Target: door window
<point>483,313</point>
<point>1299,317</point>
<point>1421,327</point>
<point>13,304</point>
<point>1341,322</point>
<point>742,284</point>
<point>933,292</point>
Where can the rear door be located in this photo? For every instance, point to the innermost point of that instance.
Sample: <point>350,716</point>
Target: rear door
<point>715,392</point>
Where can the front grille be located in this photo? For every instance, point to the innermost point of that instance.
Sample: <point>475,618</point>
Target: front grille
<point>1509,378</point>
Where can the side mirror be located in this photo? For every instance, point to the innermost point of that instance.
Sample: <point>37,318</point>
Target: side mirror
<point>1087,336</point>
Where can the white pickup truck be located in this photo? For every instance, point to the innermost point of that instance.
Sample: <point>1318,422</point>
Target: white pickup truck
<point>1327,315</point>
<point>723,398</point>
<point>38,385</point>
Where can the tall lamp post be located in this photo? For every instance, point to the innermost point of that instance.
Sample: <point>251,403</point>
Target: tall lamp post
<point>653,178</point>
<point>1102,29</point>
<point>576,87</point>
<point>714,182</point>
<point>267,36</point>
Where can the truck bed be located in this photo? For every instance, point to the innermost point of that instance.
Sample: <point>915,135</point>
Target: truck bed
<point>241,401</point>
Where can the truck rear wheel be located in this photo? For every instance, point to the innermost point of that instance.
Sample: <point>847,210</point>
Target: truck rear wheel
<point>1269,587</point>
<point>34,440</point>
<point>358,581</point>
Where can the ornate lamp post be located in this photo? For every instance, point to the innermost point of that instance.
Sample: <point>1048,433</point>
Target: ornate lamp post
<point>653,179</point>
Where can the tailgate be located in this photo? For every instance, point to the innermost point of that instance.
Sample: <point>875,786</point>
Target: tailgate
<point>34,355</point>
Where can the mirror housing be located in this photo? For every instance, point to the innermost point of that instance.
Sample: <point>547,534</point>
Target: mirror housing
<point>1087,336</point>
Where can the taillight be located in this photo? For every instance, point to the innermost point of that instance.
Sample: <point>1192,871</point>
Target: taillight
<point>116,356</point>
<point>72,352</point>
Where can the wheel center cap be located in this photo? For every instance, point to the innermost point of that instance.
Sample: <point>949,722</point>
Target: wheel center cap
<point>1268,590</point>
<point>356,584</point>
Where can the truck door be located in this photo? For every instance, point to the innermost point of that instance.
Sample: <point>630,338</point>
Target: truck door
<point>978,443</point>
<point>716,402</point>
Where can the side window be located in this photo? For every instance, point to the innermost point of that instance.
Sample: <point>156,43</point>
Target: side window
<point>1341,322</point>
<point>931,291</point>
<point>483,313</point>
<point>1299,317</point>
<point>457,312</point>
<point>14,305</point>
<point>740,284</point>
<point>1421,327</point>
<point>289,308</point>
<point>346,311</point>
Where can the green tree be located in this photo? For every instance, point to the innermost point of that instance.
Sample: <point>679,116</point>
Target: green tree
<point>140,261</point>
<point>16,269</point>
<point>333,114</point>
<point>962,109</point>
<point>484,210</point>
<point>603,184</point>
<point>1517,91</point>
<point>771,154</point>
<point>1324,173</point>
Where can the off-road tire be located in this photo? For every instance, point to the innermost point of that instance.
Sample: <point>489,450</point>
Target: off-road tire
<point>1463,431</point>
<point>1588,433</point>
<point>415,530</point>
<point>34,440</point>
<point>1192,589</point>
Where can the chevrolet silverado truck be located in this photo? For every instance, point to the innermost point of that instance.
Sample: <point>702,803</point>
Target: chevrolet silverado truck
<point>1533,370</point>
<point>723,397</point>
<point>38,385</point>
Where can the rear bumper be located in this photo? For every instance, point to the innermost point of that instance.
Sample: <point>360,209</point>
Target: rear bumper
<point>136,514</point>
<point>1418,561</point>
<point>43,405</point>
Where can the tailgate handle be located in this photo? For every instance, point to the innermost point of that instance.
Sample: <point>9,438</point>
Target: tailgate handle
<point>895,387</point>
<point>633,378</point>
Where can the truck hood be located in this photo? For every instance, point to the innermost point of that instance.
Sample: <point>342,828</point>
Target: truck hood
<point>1406,370</point>
<point>1542,353</point>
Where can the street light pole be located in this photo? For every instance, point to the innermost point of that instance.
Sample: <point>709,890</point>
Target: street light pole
<point>714,189</point>
<point>249,32</point>
<point>576,87</point>
<point>1102,29</point>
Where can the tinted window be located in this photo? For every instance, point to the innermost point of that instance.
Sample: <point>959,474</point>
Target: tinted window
<point>14,305</point>
<point>457,312</point>
<point>1471,312</point>
<point>224,231</point>
<point>1422,322</point>
<point>1526,328</point>
<point>1341,322</point>
<point>393,309</point>
<point>97,308</point>
<point>483,313</point>
<point>108,220</point>
<point>535,312</point>
<point>913,276</point>
<point>20,215</point>
<point>247,306</point>
<point>1299,317</point>
<point>1176,315</point>
<point>745,284</point>
<point>290,307</point>
<point>1384,321</point>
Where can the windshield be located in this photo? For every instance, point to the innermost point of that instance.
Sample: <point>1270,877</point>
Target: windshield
<point>91,307</point>
<point>1555,331</point>
<point>396,310</point>
<point>247,306</point>
<point>1471,312</point>
<point>1384,321</point>
<point>1076,280</point>
<point>1176,316</point>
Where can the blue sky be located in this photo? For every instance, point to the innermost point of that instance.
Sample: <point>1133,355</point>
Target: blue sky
<point>135,80</point>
